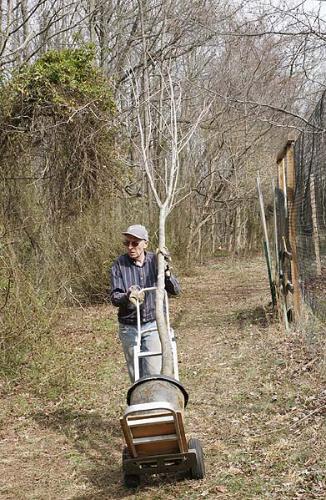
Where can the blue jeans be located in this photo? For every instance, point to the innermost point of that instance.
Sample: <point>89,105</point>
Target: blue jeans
<point>149,342</point>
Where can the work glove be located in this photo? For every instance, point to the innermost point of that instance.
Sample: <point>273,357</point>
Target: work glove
<point>136,294</point>
<point>167,261</point>
<point>167,270</point>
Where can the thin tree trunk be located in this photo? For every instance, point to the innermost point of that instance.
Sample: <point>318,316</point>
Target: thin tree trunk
<point>167,355</point>
<point>199,243</point>
<point>213,235</point>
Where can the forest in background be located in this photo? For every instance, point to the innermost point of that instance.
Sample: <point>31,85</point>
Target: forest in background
<point>71,169</point>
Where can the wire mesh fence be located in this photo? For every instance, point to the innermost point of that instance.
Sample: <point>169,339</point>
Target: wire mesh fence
<point>310,198</point>
<point>301,216</point>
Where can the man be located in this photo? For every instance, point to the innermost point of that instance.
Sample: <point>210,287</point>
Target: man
<point>130,273</point>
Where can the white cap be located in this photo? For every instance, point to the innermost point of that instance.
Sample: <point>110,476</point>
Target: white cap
<point>138,231</point>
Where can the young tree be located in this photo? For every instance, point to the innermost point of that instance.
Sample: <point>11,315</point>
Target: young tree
<point>158,101</point>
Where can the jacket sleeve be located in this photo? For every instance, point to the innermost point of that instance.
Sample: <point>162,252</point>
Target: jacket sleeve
<point>172,285</point>
<point>118,294</point>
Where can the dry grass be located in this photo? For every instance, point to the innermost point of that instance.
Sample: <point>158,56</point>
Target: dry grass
<point>257,400</point>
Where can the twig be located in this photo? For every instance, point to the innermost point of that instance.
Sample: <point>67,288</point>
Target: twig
<point>7,292</point>
<point>310,363</point>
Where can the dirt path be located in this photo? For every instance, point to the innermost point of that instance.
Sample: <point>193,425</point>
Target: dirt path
<point>257,401</point>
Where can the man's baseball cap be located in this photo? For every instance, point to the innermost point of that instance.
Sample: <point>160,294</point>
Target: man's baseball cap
<point>138,231</point>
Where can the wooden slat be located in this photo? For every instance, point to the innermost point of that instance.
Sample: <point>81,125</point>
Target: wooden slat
<point>153,430</point>
<point>148,415</point>
<point>155,439</point>
<point>128,437</point>
<point>182,437</point>
<point>157,448</point>
<point>151,420</point>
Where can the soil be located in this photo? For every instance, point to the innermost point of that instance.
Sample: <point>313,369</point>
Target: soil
<point>257,400</point>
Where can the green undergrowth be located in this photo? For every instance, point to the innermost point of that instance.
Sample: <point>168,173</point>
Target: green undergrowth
<point>59,178</point>
<point>64,78</point>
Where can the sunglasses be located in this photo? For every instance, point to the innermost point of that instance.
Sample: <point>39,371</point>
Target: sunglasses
<point>134,244</point>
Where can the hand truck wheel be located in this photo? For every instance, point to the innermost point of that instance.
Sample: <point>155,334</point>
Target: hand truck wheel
<point>131,481</point>
<point>197,471</point>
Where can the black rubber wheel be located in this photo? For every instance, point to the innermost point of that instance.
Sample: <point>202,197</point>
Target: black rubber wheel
<point>130,481</point>
<point>197,471</point>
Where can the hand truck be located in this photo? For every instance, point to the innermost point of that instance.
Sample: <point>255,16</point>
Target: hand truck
<point>154,428</point>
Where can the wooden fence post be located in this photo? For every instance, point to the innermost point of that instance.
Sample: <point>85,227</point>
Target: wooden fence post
<point>292,212</point>
<point>276,243</point>
<point>315,224</point>
<point>280,177</point>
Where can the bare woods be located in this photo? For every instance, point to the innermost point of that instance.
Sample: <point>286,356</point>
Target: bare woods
<point>96,94</point>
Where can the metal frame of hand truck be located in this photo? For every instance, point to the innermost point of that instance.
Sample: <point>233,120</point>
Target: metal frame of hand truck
<point>154,432</point>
